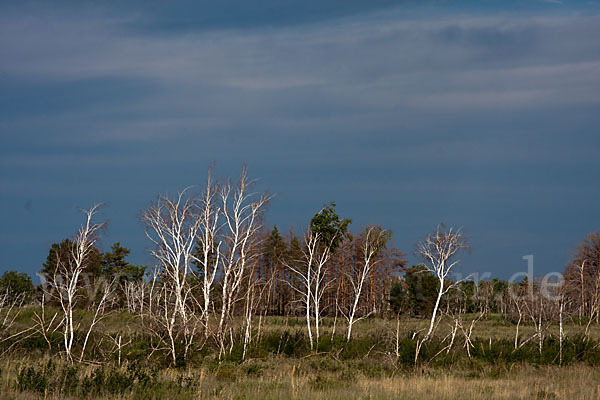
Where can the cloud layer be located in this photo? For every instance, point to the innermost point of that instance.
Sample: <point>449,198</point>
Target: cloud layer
<point>403,115</point>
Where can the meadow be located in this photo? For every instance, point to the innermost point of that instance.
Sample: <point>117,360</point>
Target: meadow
<point>378,362</point>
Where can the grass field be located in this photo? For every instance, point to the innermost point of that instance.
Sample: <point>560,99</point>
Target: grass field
<point>281,379</point>
<point>280,365</point>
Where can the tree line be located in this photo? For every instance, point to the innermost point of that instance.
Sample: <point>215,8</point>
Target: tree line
<point>218,273</point>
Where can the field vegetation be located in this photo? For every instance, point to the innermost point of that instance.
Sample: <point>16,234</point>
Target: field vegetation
<point>233,310</point>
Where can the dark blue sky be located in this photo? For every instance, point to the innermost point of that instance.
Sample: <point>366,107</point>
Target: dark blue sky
<point>482,114</point>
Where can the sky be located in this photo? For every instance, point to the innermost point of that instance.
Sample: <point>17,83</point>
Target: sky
<point>478,114</point>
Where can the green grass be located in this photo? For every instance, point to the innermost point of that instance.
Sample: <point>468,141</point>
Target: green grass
<point>301,379</point>
<point>281,364</point>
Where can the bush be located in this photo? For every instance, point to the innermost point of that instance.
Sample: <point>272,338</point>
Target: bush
<point>31,380</point>
<point>17,284</point>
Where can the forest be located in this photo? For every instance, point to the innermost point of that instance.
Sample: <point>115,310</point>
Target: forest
<point>231,308</point>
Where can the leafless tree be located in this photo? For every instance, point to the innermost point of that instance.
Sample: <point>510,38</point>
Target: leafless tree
<point>594,304</point>
<point>10,308</point>
<point>99,312</point>
<point>582,289</point>
<point>537,307</point>
<point>135,292</point>
<point>581,275</point>
<point>519,307</point>
<point>374,239</point>
<point>209,256</point>
<point>255,291</point>
<point>242,212</point>
<point>43,324</point>
<point>311,282</point>
<point>64,283</point>
<point>159,315</point>
<point>172,225</point>
<point>118,345</point>
<point>438,250</point>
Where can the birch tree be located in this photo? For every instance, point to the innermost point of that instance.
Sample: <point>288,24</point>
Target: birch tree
<point>208,255</point>
<point>374,239</point>
<point>107,292</point>
<point>242,212</point>
<point>438,251</point>
<point>173,226</point>
<point>326,233</point>
<point>11,305</point>
<point>311,280</point>
<point>64,283</point>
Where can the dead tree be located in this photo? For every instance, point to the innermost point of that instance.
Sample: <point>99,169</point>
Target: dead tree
<point>172,225</point>
<point>43,324</point>
<point>581,274</point>
<point>594,304</point>
<point>242,213</point>
<point>519,307</point>
<point>374,239</point>
<point>135,292</point>
<point>11,306</point>
<point>64,283</point>
<point>99,312</point>
<point>208,257</point>
<point>438,250</point>
<point>311,283</point>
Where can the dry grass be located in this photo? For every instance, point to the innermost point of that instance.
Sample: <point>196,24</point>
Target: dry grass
<point>325,376</point>
<point>524,382</point>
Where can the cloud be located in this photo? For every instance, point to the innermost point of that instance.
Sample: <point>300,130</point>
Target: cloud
<point>448,113</point>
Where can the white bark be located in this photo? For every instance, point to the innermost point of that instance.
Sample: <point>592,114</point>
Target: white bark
<point>360,274</point>
<point>242,214</point>
<point>312,280</point>
<point>560,331</point>
<point>173,226</point>
<point>42,326</point>
<point>438,249</point>
<point>99,314</point>
<point>65,281</point>
<point>210,257</point>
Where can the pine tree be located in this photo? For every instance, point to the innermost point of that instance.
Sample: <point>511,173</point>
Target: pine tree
<point>115,265</point>
<point>63,252</point>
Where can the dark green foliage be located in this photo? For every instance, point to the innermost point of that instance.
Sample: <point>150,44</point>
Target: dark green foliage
<point>199,261</point>
<point>465,294</point>
<point>421,289</point>
<point>283,342</point>
<point>18,285</point>
<point>31,380</point>
<point>295,249</point>
<point>399,300</point>
<point>275,247</point>
<point>226,371</point>
<point>115,265</point>
<point>70,380</point>
<point>37,343</point>
<point>332,229</point>
<point>360,347</point>
<point>119,382</point>
<point>406,351</point>
<point>499,287</point>
<point>275,253</point>
<point>63,252</point>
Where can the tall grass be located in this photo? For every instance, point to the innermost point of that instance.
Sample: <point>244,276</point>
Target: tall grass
<point>280,364</point>
<point>301,379</point>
